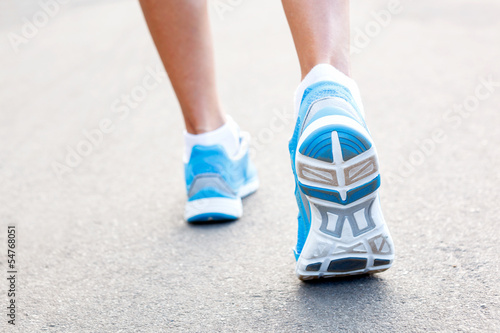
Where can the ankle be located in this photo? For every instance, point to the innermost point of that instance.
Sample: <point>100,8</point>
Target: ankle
<point>201,125</point>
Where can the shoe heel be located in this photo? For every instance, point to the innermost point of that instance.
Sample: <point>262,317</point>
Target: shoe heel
<point>337,163</point>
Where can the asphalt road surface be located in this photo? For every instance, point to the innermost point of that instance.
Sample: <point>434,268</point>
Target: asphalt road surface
<point>92,179</point>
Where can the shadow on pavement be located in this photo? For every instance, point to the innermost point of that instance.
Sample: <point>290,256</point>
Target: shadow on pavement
<point>352,302</point>
<point>340,280</point>
<point>212,224</point>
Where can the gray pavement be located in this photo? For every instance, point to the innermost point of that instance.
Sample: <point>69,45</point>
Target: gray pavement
<point>94,183</point>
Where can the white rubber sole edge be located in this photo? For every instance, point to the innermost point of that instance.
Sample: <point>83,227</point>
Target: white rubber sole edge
<point>230,208</point>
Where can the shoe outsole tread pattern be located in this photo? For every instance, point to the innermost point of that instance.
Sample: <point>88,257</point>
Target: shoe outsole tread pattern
<point>337,170</point>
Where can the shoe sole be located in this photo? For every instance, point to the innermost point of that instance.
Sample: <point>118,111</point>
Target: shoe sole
<point>219,209</point>
<point>337,170</point>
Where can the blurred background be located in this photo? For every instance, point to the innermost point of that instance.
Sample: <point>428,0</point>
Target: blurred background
<point>92,177</point>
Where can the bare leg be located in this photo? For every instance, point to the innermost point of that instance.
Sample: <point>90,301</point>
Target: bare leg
<point>181,32</point>
<point>320,30</point>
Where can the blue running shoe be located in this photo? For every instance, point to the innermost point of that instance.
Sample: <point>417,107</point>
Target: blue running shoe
<point>341,227</point>
<point>216,182</point>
